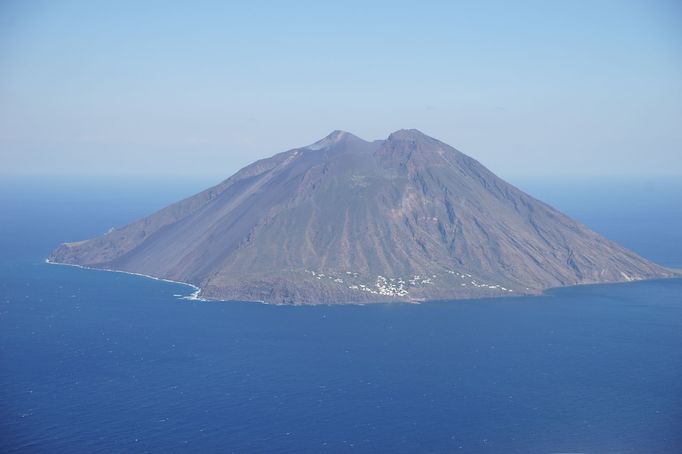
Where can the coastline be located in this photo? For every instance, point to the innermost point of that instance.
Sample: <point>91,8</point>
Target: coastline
<point>194,296</point>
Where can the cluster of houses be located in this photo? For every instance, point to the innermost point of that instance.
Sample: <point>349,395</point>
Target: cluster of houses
<point>399,286</point>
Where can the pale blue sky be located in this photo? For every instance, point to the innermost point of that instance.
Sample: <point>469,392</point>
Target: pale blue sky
<point>203,88</point>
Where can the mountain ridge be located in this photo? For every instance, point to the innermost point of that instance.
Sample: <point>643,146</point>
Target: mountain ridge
<point>408,218</point>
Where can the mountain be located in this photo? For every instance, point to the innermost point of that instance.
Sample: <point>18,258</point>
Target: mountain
<point>342,220</point>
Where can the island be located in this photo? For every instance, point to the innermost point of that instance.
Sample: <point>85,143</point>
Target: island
<point>345,220</point>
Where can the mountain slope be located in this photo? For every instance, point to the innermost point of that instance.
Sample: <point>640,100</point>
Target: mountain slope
<point>344,220</point>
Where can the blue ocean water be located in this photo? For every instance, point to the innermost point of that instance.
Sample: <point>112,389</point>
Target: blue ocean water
<point>96,361</point>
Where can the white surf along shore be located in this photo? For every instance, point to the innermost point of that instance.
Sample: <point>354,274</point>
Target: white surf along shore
<point>194,296</point>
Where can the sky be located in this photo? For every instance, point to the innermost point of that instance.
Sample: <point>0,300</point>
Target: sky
<point>173,89</point>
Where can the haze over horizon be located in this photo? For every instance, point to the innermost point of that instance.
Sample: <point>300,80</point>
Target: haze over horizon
<point>164,89</point>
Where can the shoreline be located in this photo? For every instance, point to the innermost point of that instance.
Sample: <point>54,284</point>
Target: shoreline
<point>194,296</point>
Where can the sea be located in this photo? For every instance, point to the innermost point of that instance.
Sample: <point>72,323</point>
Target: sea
<point>94,361</point>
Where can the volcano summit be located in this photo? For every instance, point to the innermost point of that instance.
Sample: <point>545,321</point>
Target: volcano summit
<point>344,220</point>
